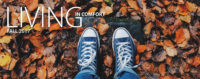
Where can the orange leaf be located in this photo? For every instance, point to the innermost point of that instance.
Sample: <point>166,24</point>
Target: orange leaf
<point>182,9</point>
<point>191,6</point>
<point>168,61</point>
<point>106,10</point>
<point>37,27</point>
<point>108,61</point>
<point>162,69</point>
<point>41,73</point>
<point>55,26</point>
<point>196,61</point>
<point>123,10</point>
<point>180,37</point>
<point>137,59</point>
<point>93,9</point>
<point>141,48</point>
<point>168,43</point>
<point>186,18</point>
<point>79,30</point>
<point>3,30</point>
<point>166,2</point>
<point>133,4</point>
<point>147,28</point>
<point>31,4</point>
<point>102,28</point>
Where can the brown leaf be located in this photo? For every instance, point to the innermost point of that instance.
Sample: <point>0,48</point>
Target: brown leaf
<point>36,41</point>
<point>168,43</point>
<point>162,69</point>
<point>169,61</point>
<point>50,60</point>
<point>106,9</point>
<point>80,30</point>
<point>147,66</point>
<point>196,62</point>
<point>133,4</point>
<point>108,61</point>
<point>102,28</point>
<point>123,11</point>
<point>191,6</point>
<point>31,4</point>
<point>149,16</point>
<point>14,18</point>
<point>55,26</point>
<point>166,2</point>
<point>41,72</point>
<point>180,37</point>
<point>160,56</point>
<point>148,27</point>
<point>51,72</point>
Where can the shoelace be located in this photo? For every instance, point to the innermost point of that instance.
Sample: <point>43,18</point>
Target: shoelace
<point>88,56</point>
<point>124,56</point>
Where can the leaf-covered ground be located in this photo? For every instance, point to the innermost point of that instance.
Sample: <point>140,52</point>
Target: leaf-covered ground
<point>166,32</point>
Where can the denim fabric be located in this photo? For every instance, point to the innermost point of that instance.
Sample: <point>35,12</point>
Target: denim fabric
<point>124,74</point>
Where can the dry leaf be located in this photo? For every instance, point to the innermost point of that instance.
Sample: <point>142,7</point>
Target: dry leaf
<point>3,30</point>
<point>106,10</point>
<point>80,30</point>
<point>123,11</point>
<point>191,6</point>
<point>137,59</point>
<point>196,62</point>
<point>102,28</point>
<point>98,0</point>
<point>160,56</point>
<point>171,8</point>
<point>166,2</point>
<point>14,18</point>
<point>133,4</point>
<point>51,72</point>
<point>31,4</point>
<point>180,37</point>
<point>171,51</point>
<point>5,39</point>
<point>186,18</point>
<point>149,16</point>
<point>147,28</point>
<point>141,48</point>
<point>147,66</point>
<point>182,10</point>
<point>37,27</point>
<point>168,43</point>
<point>41,72</point>
<point>92,9</point>
<point>162,69</point>
<point>55,26</point>
<point>108,61</point>
<point>169,61</point>
<point>36,41</point>
<point>50,60</point>
<point>5,59</point>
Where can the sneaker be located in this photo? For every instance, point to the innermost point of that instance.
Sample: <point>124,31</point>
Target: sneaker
<point>124,48</point>
<point>88,46</point>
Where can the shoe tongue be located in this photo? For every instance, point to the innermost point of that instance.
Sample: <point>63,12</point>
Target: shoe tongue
<point>123,39</point>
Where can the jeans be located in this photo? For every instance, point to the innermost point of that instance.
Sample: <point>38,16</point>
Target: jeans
<point>124,74</point>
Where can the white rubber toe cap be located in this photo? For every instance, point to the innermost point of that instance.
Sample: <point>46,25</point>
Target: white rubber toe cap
<point>121,33</point>
<point>89,32</point>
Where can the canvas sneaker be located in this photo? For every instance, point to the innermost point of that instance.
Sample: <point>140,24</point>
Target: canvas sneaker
<point>124,48</point>
<point>88,46</point>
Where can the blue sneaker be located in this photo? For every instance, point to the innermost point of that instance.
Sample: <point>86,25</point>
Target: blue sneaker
<point>125,51</point>
<point>87,50</point>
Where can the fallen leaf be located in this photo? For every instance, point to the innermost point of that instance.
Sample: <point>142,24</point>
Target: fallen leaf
<point>141,48</point>
<point>55,26</point>
<point>27,28</point>
<point>31,69</point>
<point>169,61</point>
<point>171,51</point>
<point>102,28</point>
<point>5,59</point>
<point>191,6</point>
<point>51,72</point>
<point>123,11</point>
<point>162,69</point>
<point>5,39</point>
<point>50,60</point>
<point>137,59</point>
<point>80,30</point>
<point>168,43</point>
<point>108,61</point>
<point>37,27</point>
<point>92,9</point>
<point>49,3</point>
<point>171,8</point>
<point>148,27</point>
<point>41,72</point>
<point>14,18</point>
<point>98,0</point>
<point>3,30</point>
<point>166,2</point>
<point>106,10</point>
<point>160,56</point>
<point>180,37</point>
<point>182,10</point>
<point>36,41</point>
<point>147,66</point>
<point>149,16</point>
<point>186,18</point>
<point>133,4</point>
<point>31,4</point>
<point>196,62</point>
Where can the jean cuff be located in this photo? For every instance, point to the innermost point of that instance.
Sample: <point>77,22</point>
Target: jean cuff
<point>120,72</point>
<point>89,72</point>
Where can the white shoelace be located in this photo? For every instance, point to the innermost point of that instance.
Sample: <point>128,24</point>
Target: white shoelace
<point>124,56</point>
<point>88,56</point>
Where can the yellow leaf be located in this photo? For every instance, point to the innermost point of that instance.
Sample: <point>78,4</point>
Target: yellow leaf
<point>4,59</point>
<point>37,27</point>
<point>5,39</point>
<point>186,18</point>
<point>27,28</point>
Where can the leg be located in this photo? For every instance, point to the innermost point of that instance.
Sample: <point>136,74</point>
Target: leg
<point>125,51</point>
<point>88,46</point>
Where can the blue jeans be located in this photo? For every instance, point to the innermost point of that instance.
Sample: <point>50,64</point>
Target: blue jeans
<point>124,74</point>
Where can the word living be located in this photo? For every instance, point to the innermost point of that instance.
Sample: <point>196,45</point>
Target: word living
<point>42,22</point>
